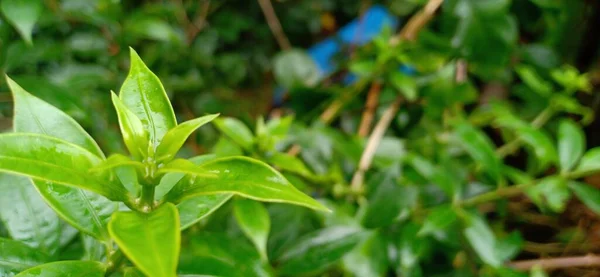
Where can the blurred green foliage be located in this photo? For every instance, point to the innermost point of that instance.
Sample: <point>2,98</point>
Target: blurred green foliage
<point>491,132</point>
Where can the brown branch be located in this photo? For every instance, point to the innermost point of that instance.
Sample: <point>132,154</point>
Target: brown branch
<point>274,24</point>
<point>367,156</point>
<point>417,22</point>
<point>199,22</point>
<point>589,260</point>
<point>370,107</point>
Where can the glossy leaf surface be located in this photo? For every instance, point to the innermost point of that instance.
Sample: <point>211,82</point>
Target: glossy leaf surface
<point>87,211</point>
<point>134,134</point>
<point>571,144</point>
<point>16,256</point>
<point>22,15</point>
<point>236,131</point>
<point>143,93</point>
<point>66,269</point>
<point>387,200</point>
<point>318,250</point>
<point>49,159</point>
<point>176,137</point>
<point>254,221</point>
<point>151,241</point>
<point>196,208</point>
<point>25,215</point>
<point>482,239</point>
<point>242,176</point>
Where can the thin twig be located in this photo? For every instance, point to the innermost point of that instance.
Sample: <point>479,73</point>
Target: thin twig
<point>274,24</point>
<point>199,22</point>
<point>417,22</point>
<point>370,107</point>
<point>589,260</point>
<point>461,71</point>
<point>367,156</point>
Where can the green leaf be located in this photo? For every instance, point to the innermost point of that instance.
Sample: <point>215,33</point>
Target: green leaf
<point>54,160</point>
<point>482,239</point>
<point>238,175</point>
<point>590,162</point>
<point>115,161</point>
<point>405,84</point>
<point>590,196</point>
<point>318,250</point>
<point>254,221</point>
<point>541,143</point>
<point>410,247</point>
<point>196,208</point>
<point>294,68</point>
<point>533,80</point>
<point>176,137</point>
<point>66,268</point>
<point>132,272</point>
<point>368,258</point>
<point>388,199</point>
<point>132,129</point>
<point>22,15</point>
<point>33,115</point>
<point>94,250</point>
<point>151,241</point>
<point>86,211</point>
<point>289,163</point>
<point>26,217</point>
<point>550,192</point>
<point>480,147</point>
<point>16,256</point>
<point>439,219</point>
<point>236,131</point>
<point>509,247</point>
<point>571,144</point>
<point>143,93</point>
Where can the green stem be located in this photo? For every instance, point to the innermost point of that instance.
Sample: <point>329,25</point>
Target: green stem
<point>500,193</point>
<point>147,198</point>
<point>537,122</point>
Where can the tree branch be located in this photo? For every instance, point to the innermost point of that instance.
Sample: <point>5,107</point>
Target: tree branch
<point>370,107</point>
<point>274,24</point>
<point>589,260</point>
<point>367,156</point>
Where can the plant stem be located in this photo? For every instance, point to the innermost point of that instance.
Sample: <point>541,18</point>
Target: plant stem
<point>503,192</point>
<point>589,260</point>
<point>537,122</point>
<point>147,198</point>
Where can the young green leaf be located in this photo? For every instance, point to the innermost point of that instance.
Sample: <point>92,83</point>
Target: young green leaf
<point>590,162</point>
<point>115,161</point>
<point>571,144</point>
<point>33,115</point>
<point>238,175</point>
<point>590,196</point>
<point>254,221</point>
<point>54,160</point>
<point>66,268</point>
<point>404,84</point>
<point>16,256</point>
<point>551,192</point>
<point>143,93</point>
<point>318,250</point>
<point>437,220</point>
<point>289,163</point>
<point>236,131</point>
<point>482,239</point>
<point>151,241</point>
<point>26,217</point>
<point>132,129</point>
<point>196,208</point>
<point>479,146</point>
<point>176,137</point>
<point>22,15</point>
<point>86,211</point>
<point>541,143</point>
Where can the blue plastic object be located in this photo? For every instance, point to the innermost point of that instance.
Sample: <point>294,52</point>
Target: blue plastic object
<point>358,32</point>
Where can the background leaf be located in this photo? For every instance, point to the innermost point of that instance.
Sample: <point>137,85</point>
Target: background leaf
<point>479,146</point>
<point>254,221</point>
<point>16,256</point>
<point>482,239</point>
<point>196,208</point>
<point>571,144</point>
<point>236,131</point>
<point>589,195</point>
<point>22,15</point>
<point>66,268</point>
